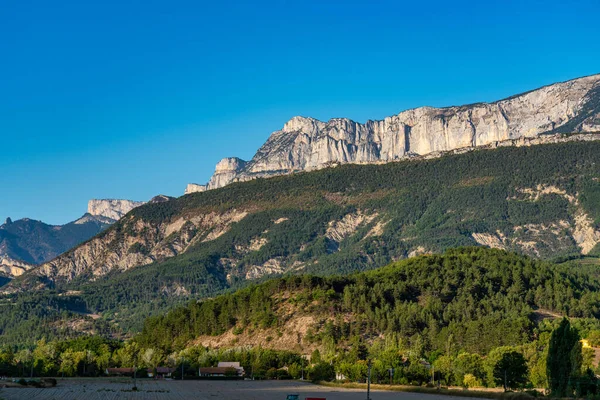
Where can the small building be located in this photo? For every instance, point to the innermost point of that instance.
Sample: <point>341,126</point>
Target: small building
<point>223,369</point>
<point>230,364</point>
<point>165,372</point>
<point>160,372</point>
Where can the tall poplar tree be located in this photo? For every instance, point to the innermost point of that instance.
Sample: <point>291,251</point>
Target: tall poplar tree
<point>563,360</point>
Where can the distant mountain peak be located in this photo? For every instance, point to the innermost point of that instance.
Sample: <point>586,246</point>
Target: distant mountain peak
<point>114,209</point>
<point>28,242</point>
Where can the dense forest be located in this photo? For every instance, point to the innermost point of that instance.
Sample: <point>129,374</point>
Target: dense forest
<point>468,299</point>
<point>406,208</point>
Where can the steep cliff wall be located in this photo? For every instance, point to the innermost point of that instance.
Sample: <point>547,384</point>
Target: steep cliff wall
<point>306,144</point>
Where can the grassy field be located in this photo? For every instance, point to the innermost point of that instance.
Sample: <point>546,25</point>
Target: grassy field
<point>109,389</point>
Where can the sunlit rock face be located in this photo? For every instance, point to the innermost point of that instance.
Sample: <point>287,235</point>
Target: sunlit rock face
<point>111,208</point>
<point>307,144</point>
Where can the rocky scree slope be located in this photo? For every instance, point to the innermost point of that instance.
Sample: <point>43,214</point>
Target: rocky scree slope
<point>306,144</point>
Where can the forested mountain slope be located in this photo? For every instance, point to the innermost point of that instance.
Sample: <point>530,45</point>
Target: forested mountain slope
<point>469,299</point>
<point>542,201</point>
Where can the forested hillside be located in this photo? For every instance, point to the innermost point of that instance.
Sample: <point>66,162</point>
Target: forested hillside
<point>462,311</point>
<point>469,299</point>
<point>543,201</point>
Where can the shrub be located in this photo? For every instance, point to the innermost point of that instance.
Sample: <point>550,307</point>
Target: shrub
<point>471,381</point>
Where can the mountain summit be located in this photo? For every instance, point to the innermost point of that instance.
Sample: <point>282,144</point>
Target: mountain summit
<point>111,208</point>
<point>306,144</point>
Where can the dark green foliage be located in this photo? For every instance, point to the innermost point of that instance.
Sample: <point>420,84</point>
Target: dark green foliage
<point>321,372</point>
<point>470,299</point>
<point>434,204</point>
<point>26,317</point>
<point>511,371</point>
<point>562,359</point>
<point>587,385</point>
<point>590,199</point>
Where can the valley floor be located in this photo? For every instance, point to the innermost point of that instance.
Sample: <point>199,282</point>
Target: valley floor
<point>108,389</point>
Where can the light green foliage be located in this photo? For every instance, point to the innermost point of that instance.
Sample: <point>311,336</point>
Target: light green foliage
<point>443,369</point>
<point>471,381</point>
<point>468,364</point>
<point>594,338</point>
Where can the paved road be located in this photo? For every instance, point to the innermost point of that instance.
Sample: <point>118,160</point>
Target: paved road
<point>109,389</point>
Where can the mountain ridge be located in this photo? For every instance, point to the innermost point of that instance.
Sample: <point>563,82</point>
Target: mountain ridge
<point>305,143</point>
<point>26,242</point>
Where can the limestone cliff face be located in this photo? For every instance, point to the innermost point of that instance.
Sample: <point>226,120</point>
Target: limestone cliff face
<point>111,208</point>
<point>225,172</point>
<point>307,144</point>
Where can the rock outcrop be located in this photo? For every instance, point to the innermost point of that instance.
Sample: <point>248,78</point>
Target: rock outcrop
<point>306,144</point>
<point>226,172</point>
<point>13,268</point>
<point>112,208</point>
<point>161,198</point>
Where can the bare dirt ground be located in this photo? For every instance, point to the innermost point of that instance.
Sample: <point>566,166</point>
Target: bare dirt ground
<point>109,389</point>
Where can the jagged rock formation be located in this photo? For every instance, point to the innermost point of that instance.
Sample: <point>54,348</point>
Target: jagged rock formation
<point>161,198</point>
<point>111,208</point>
<point>225,172</point>
<point>218,226</point>
<point>306,144</point>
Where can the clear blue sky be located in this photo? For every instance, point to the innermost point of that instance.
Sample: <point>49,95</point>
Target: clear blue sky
<point>129,99</point>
